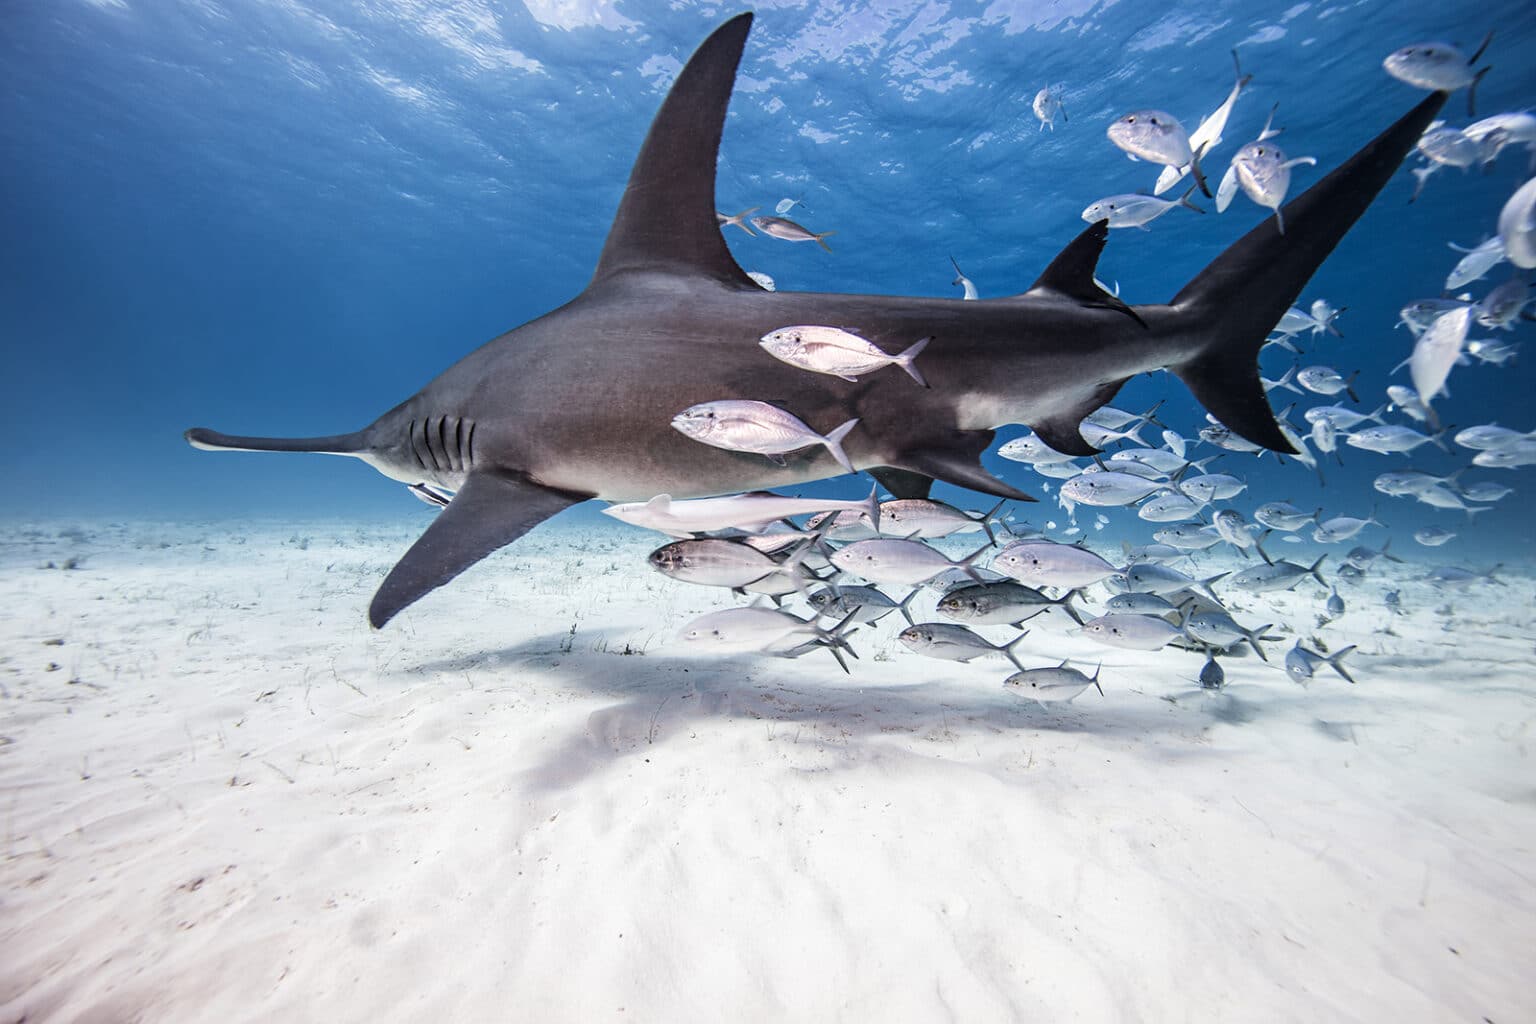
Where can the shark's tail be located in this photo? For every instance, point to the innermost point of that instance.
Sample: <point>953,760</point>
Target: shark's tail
<point>1240,297</point>
<point>336,444</point>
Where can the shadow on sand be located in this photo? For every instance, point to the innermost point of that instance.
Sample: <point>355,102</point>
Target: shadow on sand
<point>660,697</point>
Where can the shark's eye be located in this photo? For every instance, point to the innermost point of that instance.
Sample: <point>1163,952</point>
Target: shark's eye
<point>1130,119</point>
<point>1153,120</point>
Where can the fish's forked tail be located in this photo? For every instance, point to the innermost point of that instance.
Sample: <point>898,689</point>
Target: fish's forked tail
<point>1239,298</point>
<point>355,443</point>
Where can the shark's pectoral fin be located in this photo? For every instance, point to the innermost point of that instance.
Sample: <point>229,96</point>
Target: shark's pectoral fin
<point>490,511</point>
<point>1071,273</point>
<point>902,483</point>
<point>957,460</point>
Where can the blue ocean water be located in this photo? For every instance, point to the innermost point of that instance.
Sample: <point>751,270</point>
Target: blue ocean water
<point>284,217</point>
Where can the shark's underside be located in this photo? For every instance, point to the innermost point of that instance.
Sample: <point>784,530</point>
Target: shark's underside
<point>578,403</point>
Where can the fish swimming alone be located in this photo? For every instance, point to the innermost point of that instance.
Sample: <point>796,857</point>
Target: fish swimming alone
<point>578,404</point>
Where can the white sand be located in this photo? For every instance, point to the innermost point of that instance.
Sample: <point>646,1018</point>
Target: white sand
<point>231,801</point>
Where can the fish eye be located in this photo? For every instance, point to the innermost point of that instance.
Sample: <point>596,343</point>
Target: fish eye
<point>1152,120</point>
<point>1130,119</point>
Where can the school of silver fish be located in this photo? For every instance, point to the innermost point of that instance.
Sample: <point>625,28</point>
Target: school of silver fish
<point>855,562</point>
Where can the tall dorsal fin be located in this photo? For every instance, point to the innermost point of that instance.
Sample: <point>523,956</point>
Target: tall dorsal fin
<point>1071,272</point>
<point>666,220</point>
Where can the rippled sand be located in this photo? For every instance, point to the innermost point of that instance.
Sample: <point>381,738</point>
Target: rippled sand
<point>224,798</point>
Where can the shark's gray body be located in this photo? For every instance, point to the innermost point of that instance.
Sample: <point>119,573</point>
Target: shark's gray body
<point>578,403</point>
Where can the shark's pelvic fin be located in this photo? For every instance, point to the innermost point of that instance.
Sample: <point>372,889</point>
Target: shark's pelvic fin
<point>666,220</point>
<point>902,483</point>
<point>491,510</point>
<point>1237,300</point>
<point>1071,272</point>
<point>957,460</point>
<point>1064,433</point>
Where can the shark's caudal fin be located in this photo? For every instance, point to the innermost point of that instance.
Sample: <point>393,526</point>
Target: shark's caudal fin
<point>337,444</point>
<point>490,511</point>
<point>666,220</point>
<point>1238,299</point>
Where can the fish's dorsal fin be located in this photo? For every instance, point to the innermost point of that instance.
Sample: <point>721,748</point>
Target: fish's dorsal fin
<point>666,219</point>
<point>1071,272</point>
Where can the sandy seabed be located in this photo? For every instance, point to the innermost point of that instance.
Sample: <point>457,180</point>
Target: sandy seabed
<point>225,798</point>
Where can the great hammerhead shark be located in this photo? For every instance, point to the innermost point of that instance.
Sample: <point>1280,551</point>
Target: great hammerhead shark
<point>578,403</point>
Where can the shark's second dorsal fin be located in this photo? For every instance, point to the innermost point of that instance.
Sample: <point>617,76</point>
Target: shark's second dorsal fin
<point>666,220</point>
<point>1071,272</point>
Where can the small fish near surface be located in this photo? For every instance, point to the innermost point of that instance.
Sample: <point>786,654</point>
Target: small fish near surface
<point>1159,137</point>
<point>787,230</point>
<point>967,286</point>
<point>1046,105</point>
<point>578,404</point>
<point>1264,173</point>
<point>1207,136</point>
<point>1134,210</point>
<point>1439,66</point>
<point>1227,190</point>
